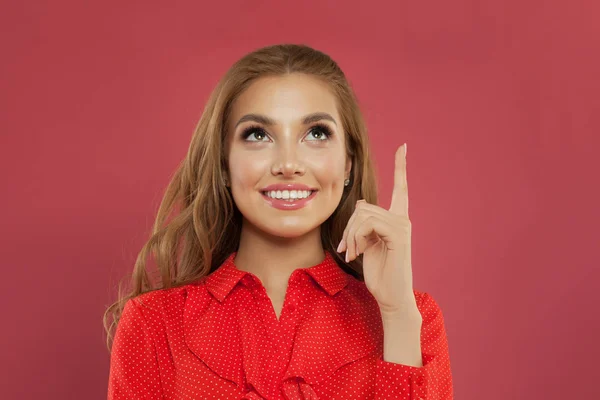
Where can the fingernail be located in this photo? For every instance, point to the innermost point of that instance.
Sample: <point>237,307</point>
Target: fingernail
<point>339,248</point>
<point>347,256</point>
<point>405,149</point>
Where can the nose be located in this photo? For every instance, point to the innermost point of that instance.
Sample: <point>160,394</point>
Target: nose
<point>288,164</point>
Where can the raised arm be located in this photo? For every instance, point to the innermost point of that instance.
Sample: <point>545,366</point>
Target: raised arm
<point>432,381</point>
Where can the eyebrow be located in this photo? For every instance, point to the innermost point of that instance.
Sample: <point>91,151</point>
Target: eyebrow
<point>307,119</point>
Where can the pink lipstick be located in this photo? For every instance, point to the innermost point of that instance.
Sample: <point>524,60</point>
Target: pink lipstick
<point>288,196</point>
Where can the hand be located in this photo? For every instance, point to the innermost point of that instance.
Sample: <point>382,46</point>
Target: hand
<point>384,238</point>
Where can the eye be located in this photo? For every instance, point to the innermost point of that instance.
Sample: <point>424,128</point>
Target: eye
<point>321,132</point>
<point>255,131</point>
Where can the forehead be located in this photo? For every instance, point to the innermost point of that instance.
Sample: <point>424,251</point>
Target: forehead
<point>285,98</point>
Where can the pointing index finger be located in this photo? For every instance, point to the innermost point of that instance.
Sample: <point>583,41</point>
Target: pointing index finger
<point>399,204</point>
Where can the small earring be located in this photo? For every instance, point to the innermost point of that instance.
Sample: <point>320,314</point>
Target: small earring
<point>346,182</point>
<point>226,181</point>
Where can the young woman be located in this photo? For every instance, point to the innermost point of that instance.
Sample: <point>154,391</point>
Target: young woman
<point>279,276</point>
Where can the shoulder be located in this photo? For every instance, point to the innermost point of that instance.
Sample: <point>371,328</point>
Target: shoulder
<point>154,314</point>
<point>155,304</point>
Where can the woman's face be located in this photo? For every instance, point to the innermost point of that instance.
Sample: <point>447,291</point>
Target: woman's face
<point>286,130</point>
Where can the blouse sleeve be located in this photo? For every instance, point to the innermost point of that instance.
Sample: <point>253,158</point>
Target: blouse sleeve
<point>432,381</point>
<point>134,371</point>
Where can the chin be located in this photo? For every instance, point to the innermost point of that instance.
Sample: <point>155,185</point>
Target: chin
<point>284,224</point>
<point>287,229</point>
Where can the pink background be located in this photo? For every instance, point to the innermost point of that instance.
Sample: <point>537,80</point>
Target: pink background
<point>497,100</point>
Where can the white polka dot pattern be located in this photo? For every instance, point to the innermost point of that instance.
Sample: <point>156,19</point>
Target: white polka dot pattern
<point>220,339</point>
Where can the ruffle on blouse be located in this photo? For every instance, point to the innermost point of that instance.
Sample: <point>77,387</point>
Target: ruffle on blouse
<point>315,356</point>
<point>250,395</point>
<point>300,391</point>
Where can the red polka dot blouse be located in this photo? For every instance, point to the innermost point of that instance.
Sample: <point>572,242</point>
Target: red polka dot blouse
<point>220,339</point>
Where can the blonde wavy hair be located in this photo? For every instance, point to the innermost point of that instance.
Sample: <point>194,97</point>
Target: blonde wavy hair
<point>204,224</point>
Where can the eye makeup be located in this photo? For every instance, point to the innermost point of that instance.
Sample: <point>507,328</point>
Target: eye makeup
<point>257,130</point>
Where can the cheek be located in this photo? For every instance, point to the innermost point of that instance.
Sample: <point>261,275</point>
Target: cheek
<point>247,169</point>
<point>328,169</point>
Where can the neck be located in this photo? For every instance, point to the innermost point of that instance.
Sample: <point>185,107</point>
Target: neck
<point>273,259</point>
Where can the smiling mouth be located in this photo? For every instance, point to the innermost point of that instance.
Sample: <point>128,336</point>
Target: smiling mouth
<point>289,195</point>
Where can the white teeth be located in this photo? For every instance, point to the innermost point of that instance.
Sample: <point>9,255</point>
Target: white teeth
<point>288,194</point>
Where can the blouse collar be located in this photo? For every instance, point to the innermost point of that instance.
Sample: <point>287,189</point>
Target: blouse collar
<point>328,274</point>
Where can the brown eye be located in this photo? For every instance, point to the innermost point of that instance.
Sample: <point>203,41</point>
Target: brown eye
<point>321,132</point>
<point>255,131</point>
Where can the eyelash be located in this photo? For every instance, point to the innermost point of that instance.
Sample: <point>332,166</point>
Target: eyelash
<point>255,128</point>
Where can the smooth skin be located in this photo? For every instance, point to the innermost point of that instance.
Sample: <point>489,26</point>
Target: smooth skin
<point>384,238</point>
<point>276,242</point>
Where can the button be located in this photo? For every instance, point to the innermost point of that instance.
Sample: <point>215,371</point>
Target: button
<point>291,307</point>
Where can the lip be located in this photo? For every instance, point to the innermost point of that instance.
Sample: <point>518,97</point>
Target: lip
<point>288,205</point>
<point>287,186</point>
